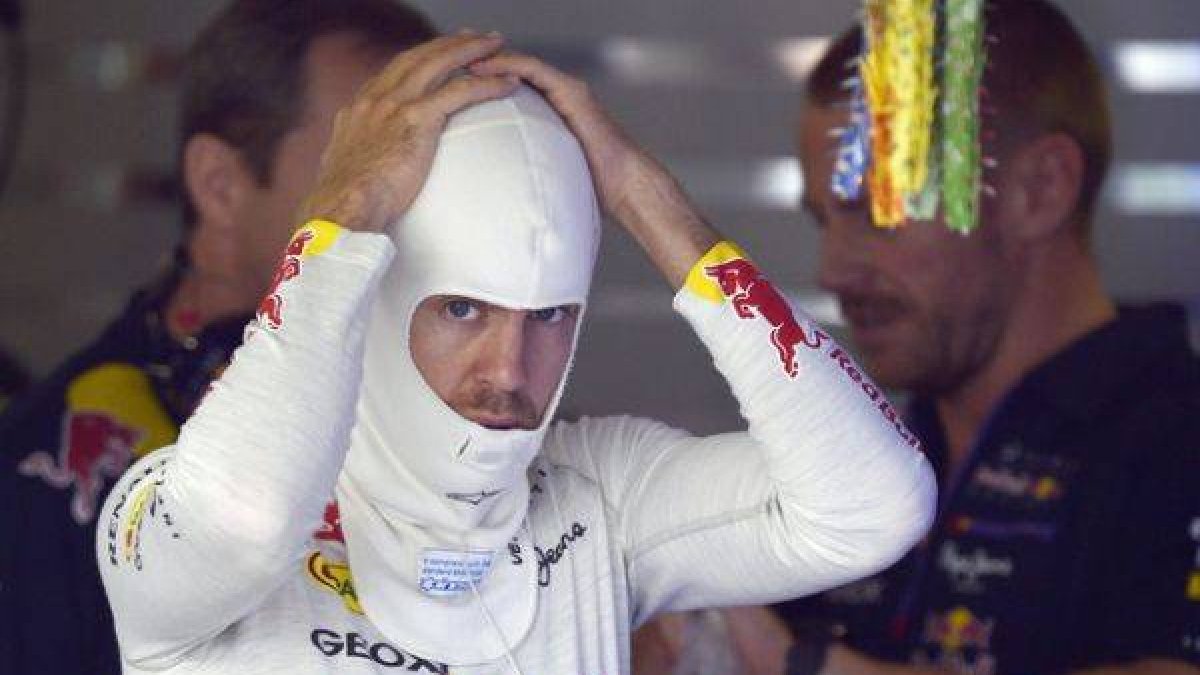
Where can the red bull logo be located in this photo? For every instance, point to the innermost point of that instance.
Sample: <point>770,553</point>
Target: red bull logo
<point>313,239</point>
<point>112,415</point>
<point>724,274</point>
<point>961,641</point>
<point>95,446</point>
<point>751,295</point>
<point>270,311</point>
<point>331,526</point>
<point>1047,488</point>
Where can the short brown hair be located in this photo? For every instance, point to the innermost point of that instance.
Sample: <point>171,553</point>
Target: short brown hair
<point>1041,78</point>
<point>244,77</point>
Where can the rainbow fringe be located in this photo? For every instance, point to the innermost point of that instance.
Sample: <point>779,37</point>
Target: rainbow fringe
<point>915,154</point>
<point>962,77</point>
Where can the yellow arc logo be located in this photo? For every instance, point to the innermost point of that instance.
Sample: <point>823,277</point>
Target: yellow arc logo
<point>335,577</point>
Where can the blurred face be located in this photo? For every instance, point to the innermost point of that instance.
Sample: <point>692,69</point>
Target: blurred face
<point>497,367</point>
<point>925,306</point>
<point>336,66</point>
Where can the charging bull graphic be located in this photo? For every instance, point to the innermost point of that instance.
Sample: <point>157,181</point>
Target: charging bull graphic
<point>960,641</point>
<point>95,447</point>
<point>311,240</point>
<point>331,525</point>
<point>112,416</point>
<point>750,293</point>
<point>270,311</point>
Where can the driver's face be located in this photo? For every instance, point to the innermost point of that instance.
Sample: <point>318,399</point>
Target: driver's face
<point>495,366</point>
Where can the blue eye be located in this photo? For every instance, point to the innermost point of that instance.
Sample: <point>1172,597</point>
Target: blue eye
<point>461,309</point>
<point>548,314</point>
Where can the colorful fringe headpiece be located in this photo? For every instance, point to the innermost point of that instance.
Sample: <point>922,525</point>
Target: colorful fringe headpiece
<point>911,151</point>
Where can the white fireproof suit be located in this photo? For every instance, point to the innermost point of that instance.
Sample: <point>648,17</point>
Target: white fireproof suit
<point>222,553</point>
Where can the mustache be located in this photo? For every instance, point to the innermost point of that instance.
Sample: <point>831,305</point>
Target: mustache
<point>857,303</point>
<point>492,403</point>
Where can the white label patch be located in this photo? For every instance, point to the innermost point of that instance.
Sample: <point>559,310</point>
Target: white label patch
<point>452,572</point>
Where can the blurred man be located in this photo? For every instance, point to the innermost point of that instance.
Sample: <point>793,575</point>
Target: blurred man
<point>259,92</point>
<point>1064,430</point>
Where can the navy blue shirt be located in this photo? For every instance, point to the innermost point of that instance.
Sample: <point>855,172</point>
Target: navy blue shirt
<point>62,444</point>
<point>1070,536</point>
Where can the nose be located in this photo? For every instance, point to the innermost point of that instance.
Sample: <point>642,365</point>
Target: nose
<point>844,258</point>
<point>504,362</point>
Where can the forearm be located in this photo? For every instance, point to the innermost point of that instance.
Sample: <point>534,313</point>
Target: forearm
<point>817,416</point>
<point>849,481</point>
<point>766,646</point>
<point>658,214</point>
<point>192,539</point>
<point>824,488</point>
<point>274,429</point>
<point>760,638</point>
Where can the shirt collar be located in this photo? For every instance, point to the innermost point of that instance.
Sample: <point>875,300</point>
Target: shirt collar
<point>1141,345</point>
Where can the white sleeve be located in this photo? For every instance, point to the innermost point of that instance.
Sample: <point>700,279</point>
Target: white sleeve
<point>194,537</point>
<point>825,486</point>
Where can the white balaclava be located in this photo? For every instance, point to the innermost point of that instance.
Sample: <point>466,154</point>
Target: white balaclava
<point>508,216</point>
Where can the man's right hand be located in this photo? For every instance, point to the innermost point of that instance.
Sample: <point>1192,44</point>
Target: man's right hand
<point>384,142</point>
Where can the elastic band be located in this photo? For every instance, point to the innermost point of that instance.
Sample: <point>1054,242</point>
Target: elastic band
<point>316,236</point>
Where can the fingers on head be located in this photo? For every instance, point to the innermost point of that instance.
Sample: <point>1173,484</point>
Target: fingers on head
<point>552,82</point>
<point>426,66</point>
<point>469,90</point>
<point>439,66</point>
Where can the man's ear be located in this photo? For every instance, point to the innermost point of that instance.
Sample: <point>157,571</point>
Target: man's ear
<point>1042,185</point>
<point>217,180</point>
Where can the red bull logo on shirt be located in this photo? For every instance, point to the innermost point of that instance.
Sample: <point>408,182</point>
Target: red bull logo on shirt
<point>270,311</point>
<point>751,295</point>
<point>95,446</point>
<point>331,525</point>
<point>311,240</point>
<point>112,415</point>
<point>960,641</point>
<point>724,274</point>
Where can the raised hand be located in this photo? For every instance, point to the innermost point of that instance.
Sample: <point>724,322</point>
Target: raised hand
<point>633,187</point>
<point>384,142</point>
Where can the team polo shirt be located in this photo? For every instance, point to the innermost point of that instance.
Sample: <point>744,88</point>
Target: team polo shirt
<point>63,443</point>
<point>1070,537</point>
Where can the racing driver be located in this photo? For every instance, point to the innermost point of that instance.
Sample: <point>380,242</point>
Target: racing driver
<point>376,482</point>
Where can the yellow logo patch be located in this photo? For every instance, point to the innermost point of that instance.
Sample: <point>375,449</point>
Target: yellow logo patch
<point>1193,589</point>
<point>334,577</point>
<point>700,283</point>
<point>124,393</point>
<point>315,237</point>
<point>137,513</point>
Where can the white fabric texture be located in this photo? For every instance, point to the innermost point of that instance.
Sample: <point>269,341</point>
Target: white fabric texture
<point>507,215</point>
<point>452,552</point>
<point>207,548</point>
